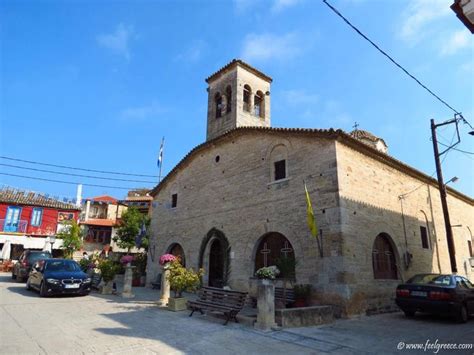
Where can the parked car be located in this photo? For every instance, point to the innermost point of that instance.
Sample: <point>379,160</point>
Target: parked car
<point>439,294</point>
<point>21,270</point>
<point>58,276</point>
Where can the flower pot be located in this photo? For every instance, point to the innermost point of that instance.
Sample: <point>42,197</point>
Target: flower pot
<point>177,304</point>
<point>107,288</point>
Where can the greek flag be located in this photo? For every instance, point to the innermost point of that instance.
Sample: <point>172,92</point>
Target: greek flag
<point>160,154</point>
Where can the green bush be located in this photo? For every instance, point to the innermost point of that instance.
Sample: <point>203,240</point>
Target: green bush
<point>302,291</point>
<point>182,279</point>
<point>108,269</point>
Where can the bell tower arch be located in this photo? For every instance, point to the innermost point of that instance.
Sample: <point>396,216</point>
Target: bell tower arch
<point>238,95</point>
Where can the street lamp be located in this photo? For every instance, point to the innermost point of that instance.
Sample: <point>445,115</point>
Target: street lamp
<point>453,180</point>
<point>52,239</point>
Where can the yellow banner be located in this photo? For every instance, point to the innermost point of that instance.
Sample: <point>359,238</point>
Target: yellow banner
<point>310,215</point>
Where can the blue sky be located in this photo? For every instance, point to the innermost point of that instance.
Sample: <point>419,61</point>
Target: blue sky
<point>97,84</point>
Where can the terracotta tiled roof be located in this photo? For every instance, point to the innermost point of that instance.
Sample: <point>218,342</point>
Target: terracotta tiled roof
<point>99,222</point>
<point>104,198</point>
<point>331,133</point>
<point>233,64</point>
<point>137,198</point>
<point>18,197</point>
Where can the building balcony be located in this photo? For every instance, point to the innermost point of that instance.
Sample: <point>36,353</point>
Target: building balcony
<point>13,227</point>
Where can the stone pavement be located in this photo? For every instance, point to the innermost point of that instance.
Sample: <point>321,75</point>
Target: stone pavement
<point>112,325</point>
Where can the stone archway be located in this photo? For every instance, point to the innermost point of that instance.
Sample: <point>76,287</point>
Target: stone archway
<point>177,250</point>
<point>214,258</point>
<point>270,249</point>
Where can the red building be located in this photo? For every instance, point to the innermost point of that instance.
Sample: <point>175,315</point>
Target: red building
<point>27,219</point>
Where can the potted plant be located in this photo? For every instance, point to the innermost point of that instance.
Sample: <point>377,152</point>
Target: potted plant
<point>139,262</point>
<point>108,270</point>
<point>302,295</point>
<point>267,273</point>
<point>181,279</point>
<point>287,266</point>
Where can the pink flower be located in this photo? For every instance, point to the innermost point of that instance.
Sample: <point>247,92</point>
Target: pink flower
<point>126,259</point>
<point>167,258</point>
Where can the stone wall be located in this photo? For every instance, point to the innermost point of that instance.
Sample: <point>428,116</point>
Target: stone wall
<point>237,196</point>
<point>227,187</point>
<point>369,198</point>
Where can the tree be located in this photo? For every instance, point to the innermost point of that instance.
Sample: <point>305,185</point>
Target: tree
<point>131,227</point>
<point>72,238</point>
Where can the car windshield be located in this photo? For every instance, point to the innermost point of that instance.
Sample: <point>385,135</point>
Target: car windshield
<point>62,265</point>
<point>38,256</point>
<point>431,279</point>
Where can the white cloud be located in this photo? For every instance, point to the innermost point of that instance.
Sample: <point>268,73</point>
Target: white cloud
<point>118,41</point>
<point>194,52</point>
<point>457,40</point>
<point>270,46</point>
<point>280,5</point>
<point>141,113</point>
<point>419,15</point>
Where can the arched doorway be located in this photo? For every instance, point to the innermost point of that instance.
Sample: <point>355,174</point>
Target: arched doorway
<point>177,250</point>
<point>214,257</point>
<point>216,264</point>
<point>384,261</point>
<point>275,249</point>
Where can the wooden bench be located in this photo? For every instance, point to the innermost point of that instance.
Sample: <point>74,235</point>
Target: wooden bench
<point>289,295</point>
<point>216,299</point>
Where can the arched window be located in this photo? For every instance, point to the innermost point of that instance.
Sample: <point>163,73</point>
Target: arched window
<point>259,107</point>
<point>383,258</point>
<point>272,248</point>
<point>218,102</point>
<point>247,96</point>
<point>228,93</point>
<point>177,250</point>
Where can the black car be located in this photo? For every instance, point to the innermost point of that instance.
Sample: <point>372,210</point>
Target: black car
<point>57,277</point>
<point>439,294</point>
<point>21,270</point>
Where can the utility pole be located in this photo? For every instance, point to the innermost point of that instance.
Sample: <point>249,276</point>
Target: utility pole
<point>442,190</point>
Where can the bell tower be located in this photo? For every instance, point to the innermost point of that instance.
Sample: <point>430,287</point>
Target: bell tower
<point>238,95</point>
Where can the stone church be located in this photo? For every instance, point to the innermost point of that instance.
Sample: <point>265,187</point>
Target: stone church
<point>237,202</point>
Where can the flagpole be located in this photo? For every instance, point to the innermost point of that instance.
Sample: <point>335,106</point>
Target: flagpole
<point>161,156</point>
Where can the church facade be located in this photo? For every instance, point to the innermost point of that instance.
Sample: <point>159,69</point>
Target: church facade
<point>237,202</point>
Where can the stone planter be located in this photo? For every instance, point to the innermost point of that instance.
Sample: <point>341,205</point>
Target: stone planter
<point>304,316</point>
<point>265,305</point>
<point>177,304</point>
<point>107,288</point>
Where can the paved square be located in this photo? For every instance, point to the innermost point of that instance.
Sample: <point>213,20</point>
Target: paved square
<point>112,325</point>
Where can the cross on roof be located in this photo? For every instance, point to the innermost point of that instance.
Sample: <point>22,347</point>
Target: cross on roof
<point>355,126</point>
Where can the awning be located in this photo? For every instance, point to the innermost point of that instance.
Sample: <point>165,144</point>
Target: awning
<point>29,242</point>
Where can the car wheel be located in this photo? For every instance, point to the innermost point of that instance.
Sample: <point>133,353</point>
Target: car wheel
<point>409,314</point>
<point>43,292</point>
<point>462,315</point>
<point>28,286</point>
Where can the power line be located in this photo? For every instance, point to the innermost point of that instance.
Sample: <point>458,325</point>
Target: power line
<point>69,182</point>
<point>74,168</point>
<point>389,57</point>
<point>70,174</point>
<point>459,150</point>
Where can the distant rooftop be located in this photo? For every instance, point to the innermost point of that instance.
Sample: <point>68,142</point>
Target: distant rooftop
<point>21,197</point>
